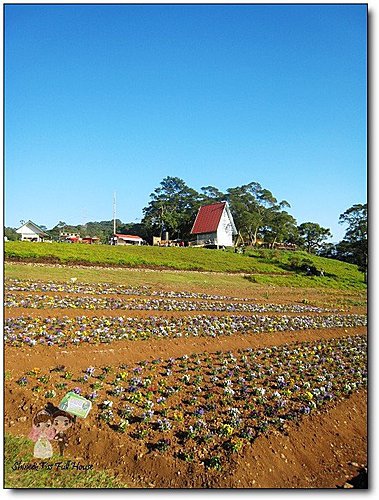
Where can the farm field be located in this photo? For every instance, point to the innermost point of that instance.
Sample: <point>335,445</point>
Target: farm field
<point>197,380</point>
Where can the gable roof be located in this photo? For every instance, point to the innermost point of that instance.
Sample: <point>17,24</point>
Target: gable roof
<point>33,227</point>
<point>208,218</point>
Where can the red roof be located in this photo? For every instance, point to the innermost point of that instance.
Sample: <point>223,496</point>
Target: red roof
<point>208,218</point>
<point>128,236</point>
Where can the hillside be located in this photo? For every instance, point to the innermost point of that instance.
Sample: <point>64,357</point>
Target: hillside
<point>281,268</point>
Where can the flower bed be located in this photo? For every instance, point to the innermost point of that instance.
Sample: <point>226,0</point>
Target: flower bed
<point>137,304</point>
<point>16,285</point>
<point>21,331</point>
<point>207,407</point>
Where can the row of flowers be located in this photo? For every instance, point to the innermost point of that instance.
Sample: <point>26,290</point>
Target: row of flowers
<point>207,407</point>
<point>16,285</point>
<point>112,303</point>
<point>27,330</point>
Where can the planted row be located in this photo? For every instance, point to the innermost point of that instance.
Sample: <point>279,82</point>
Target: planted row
<point>16,285</point>
<point>111,303</point>
<point>21,331</point>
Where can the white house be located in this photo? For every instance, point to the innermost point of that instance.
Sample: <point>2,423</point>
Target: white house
<point>214,225</point>
<point>31,232</point>
<point>126,239</point>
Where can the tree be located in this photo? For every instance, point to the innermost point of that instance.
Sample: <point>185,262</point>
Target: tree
<point>281,228</point>
<point>172,208</point>
<point>11,234</point>
<point>136,228</point>
<point>328,250</point>
<point>210,194</point>
<point>312,236</point>
<point>354,247</point>
<point>253,209</point>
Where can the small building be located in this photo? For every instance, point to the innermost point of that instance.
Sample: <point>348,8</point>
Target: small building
<point>90,240</point>
<point>214,225</point>
<point>126,239</point>
<point>69,237</point>
<point>31,232</point>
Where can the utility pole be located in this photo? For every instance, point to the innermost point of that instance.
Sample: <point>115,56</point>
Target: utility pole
<point>114,213</point>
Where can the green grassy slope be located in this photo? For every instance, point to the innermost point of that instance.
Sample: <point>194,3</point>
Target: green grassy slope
<point>280,268</point>
<point>337,274</point>
<point>191,259</point>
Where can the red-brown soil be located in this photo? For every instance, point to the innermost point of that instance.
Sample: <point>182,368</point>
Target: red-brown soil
<point>323,450</point>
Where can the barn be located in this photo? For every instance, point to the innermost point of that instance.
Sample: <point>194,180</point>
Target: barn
<point>214,225</point>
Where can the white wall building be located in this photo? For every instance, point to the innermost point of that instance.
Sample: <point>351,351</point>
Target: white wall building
<point>126,239</point>
<point>31,232</point>
<point>214,225</point>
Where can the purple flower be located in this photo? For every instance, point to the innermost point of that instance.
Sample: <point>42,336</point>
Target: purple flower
<point>199,412</point>
<point>306,410</point>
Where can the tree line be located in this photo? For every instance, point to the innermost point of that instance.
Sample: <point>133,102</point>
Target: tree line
<point>258,216</point>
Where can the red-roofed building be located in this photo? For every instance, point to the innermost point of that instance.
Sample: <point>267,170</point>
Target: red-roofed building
<point>127,239</point>
<point>214,225</point>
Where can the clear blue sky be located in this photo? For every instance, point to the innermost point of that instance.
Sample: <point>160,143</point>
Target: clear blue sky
<point>115,98</point>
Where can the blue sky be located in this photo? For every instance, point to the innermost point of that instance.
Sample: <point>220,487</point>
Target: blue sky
<point>116,97</point>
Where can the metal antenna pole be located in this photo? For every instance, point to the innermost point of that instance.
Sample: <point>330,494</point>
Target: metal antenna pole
<point>114,213</point>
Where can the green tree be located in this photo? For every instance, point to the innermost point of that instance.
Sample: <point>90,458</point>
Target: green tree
<point>137,229</point>
<point>354,247</point>
<point>281,228</point>
<point>210,194</point>
<point>312,236</point>
<point>253,208</point>
<point>11,234</point>
<point>172,207</point>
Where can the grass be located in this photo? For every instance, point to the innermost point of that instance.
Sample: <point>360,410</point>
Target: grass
<point>174,279</point>
<point>188,259</point>
<point>299,281</point>
<point>263,267</point>
<point>337,274</point>
<point>20,450</point>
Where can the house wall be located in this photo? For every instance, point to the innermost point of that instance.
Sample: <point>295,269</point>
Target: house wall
<point>28,234</point>
<point>120,241</point>
<point>225,231</point>
<point>206,238</point>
